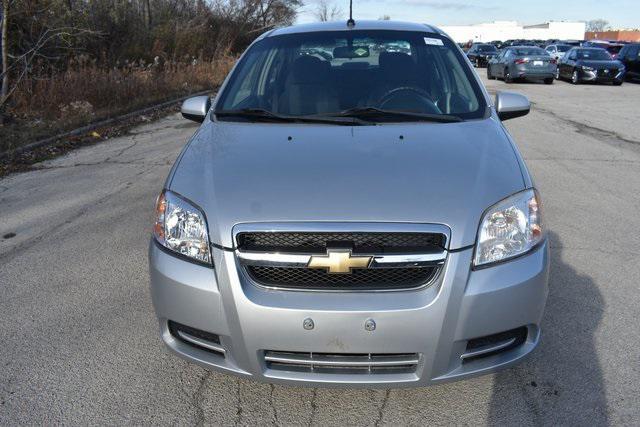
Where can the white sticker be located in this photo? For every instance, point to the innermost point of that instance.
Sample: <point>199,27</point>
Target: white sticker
<point>433,42</point>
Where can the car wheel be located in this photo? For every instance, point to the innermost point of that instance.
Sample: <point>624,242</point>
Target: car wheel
<point>617,83</point>
<point>574,77</point>
<point>477,63</point>
<point>507,76</point>
<point>489,75</point>
<point>548,81</point>
<point>557,74</point>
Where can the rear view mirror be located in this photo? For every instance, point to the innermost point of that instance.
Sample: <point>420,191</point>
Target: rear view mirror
<point>510,105</point>
<point>351,52</point>
<point>196,108</point>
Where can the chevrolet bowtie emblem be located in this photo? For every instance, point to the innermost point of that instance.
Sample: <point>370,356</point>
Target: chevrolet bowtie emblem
<point>339,261</point>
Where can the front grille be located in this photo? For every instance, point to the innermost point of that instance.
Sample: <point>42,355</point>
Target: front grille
<point>342,363</point>
<point>318,242</point>
<point>612,73</point>
<point>359,279</point>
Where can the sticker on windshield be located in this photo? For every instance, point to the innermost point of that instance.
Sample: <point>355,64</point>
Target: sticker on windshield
<point>433,42</point>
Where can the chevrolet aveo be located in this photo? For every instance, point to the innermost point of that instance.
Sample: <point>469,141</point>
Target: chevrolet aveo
<point>351,212</point>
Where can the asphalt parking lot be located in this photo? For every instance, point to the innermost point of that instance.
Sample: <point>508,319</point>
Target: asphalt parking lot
<point>78,336</point>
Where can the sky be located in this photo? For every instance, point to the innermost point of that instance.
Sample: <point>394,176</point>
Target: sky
<point>619,13</point>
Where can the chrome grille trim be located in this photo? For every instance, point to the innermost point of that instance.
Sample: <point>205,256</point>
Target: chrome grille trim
<point>370,363</point>
<point>275,259</point>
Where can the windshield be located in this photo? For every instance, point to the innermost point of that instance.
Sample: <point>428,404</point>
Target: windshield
<point>594,54</point>
<point>328,73</point>
<point>487,48</point>
<point>564,48</point>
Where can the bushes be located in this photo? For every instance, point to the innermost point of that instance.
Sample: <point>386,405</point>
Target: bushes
<point>87,91</point>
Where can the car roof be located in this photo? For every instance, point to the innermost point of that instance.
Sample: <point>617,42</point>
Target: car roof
<point>360,25</point>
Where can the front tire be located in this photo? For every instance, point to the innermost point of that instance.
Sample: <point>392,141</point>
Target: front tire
<point>618,83</point>
<point>548,81</point>
<point>489,75</point>
<point>575,78</point>
<point>557,76</point>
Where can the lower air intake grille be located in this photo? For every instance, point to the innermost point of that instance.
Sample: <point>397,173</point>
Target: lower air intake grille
<point>338,363</point>
<point>359,279</point>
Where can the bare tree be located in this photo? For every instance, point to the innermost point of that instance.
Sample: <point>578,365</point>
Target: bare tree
<point>4,88</point>
<point>597,25</point>
<point>327,12</point>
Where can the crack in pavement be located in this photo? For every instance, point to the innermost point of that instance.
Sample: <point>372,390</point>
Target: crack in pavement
<point>314,406</point>
<point>238,403</point>
<point>198,398</point>
<point>383,407</point>
<point>272,404</point>
<point>32,241</point>
<point>585,128</point>
<point>543,159</point>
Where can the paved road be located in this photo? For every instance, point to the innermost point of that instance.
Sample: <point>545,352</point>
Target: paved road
<point>78,338</point>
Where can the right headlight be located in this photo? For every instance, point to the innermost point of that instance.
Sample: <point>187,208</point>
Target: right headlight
<point>181,227</point>
<point>509,228</point>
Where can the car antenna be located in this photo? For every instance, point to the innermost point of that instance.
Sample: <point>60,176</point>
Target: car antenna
<point>351,23</point>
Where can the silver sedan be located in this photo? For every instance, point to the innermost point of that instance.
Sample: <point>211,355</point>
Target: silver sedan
<point>359,217</point>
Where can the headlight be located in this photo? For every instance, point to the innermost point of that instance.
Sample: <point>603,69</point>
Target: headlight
<point>587,68</point>
<point>181,227</point>
<point>509,228</point>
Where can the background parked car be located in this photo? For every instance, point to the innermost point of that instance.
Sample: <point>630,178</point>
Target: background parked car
<point>522,62</point>
<point>480,53</point>
<point>612,47</point>
<point>629,56</point>
<point>557,50</point>
<point>590,64</point>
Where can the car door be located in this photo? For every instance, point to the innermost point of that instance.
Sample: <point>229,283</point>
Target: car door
<point>491,63</point>
<point>568,62</point>
<point>499,65</point>
<point>632,61</point>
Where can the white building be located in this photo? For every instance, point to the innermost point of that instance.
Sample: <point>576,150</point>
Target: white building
<point>506,30</point>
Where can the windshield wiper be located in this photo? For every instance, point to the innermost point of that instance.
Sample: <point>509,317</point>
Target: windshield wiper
<point>368,113</point>
<point>259,114</point>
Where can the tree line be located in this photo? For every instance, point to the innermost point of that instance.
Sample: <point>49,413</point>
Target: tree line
<point>41,37</point>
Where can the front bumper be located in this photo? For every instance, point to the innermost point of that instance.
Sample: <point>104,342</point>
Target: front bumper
<point>598,77</point>
<point>435,323</point>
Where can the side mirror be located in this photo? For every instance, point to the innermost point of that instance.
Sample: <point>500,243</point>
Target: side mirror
<point>510,105</point>
<point>196,108</point>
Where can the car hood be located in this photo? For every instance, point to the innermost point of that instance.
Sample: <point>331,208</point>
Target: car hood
<point>418,172</point>
<point>599,64</point>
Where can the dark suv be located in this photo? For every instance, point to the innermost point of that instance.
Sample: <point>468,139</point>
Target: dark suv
<point>629,55</point>
<point>479,54</point>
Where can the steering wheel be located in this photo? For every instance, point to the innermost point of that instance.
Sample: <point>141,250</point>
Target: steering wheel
<point>408,99</point>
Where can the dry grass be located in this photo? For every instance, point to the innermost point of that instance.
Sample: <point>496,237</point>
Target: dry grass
<point>87,93</point>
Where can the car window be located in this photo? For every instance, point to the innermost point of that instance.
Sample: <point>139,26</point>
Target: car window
<point>325,73</point>
<point>487,48</point>
<point>550,49</point>
<point>527,51</point>
<point>564,48</point>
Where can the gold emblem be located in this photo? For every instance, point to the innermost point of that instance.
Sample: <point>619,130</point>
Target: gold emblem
<point>339,261</point>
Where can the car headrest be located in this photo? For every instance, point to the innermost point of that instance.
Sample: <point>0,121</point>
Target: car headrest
<point>309,69</point>
<point>396,63</point>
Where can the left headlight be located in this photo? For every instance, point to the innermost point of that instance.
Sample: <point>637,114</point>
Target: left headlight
<point>181,227</point>
<point>588,68</point>
<point>509,228</point>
